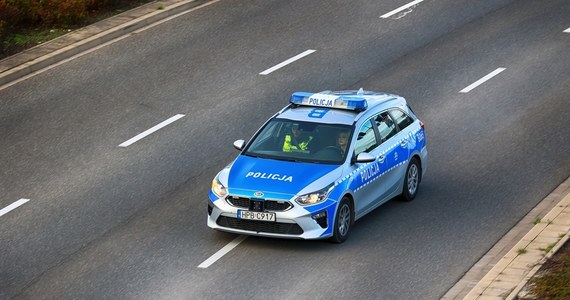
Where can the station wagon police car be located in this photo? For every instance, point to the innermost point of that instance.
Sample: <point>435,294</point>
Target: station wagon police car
<point>319,164</point>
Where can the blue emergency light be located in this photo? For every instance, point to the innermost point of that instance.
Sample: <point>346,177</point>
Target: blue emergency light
<point>329,100</point>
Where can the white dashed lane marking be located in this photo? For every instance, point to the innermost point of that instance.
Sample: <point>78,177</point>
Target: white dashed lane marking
<point>482,80</point>
<point>399,9</point>
<point>13,206</point>
<point>290,60</point>
<point>227,248</point>
<point>150,131</point>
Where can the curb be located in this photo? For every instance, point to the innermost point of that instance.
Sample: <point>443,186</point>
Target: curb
<point>34,59</point>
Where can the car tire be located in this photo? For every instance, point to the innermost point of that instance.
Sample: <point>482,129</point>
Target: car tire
<point>342,221</point>
<point>411,181</point>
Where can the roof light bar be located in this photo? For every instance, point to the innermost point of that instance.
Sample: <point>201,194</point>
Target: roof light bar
<point>329,100</point>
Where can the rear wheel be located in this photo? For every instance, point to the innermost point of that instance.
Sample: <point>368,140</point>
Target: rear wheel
<point>411,181</point>
<point>342,221</point>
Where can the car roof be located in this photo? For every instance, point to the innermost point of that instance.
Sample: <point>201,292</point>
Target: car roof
<point>376,102</point>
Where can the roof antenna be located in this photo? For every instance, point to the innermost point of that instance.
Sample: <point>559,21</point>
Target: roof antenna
<point>360,91</point>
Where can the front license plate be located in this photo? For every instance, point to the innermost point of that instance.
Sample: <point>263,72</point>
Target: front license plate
<point>256,215</point>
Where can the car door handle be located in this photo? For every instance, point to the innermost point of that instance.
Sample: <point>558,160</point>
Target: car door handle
<point>404,142</point>
<point>381,158</point>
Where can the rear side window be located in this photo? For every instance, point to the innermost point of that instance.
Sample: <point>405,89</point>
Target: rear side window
<point>402,119</point>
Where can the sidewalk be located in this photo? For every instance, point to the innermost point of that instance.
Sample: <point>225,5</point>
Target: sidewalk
<point>505,277</point>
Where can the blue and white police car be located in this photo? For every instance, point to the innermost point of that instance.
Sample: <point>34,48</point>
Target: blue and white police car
<point>318,165</point>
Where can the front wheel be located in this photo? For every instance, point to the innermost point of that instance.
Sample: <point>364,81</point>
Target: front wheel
<point>342,221</point>
<point>411,181</point>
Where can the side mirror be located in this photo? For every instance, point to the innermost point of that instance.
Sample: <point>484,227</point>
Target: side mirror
<point>365,157</point>
<point>239,144</point>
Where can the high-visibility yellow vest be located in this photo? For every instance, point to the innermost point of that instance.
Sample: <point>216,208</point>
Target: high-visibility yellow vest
<point>288,147</point>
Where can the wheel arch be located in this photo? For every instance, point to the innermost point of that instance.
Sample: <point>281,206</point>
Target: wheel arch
<point>419,158</point>
<point>350,198</point>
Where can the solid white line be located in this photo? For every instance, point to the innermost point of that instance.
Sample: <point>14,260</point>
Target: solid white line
<point>399,9</point>
<point>290,60</point>
<point>227,248</point>
<point>176,16</point>
<point>151,130</point>
<point>480,81</point>
<point>13,206</point>
<point>567,30</point>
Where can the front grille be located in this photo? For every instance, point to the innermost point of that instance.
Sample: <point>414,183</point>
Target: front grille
<point>277,206</point>
<point>238,201</point>
<point>260,226</point>
<point>270,205</point>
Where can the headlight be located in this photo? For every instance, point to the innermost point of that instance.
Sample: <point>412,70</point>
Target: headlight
<point>315,197</point>
<point>218,188</point>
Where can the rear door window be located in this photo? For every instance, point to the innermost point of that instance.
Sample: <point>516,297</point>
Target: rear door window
<point>386,126</point>
<point>366,140</point>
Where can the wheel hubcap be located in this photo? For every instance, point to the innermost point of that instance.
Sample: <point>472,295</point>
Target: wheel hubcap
<point>343,220</point>
<point>413,176</point>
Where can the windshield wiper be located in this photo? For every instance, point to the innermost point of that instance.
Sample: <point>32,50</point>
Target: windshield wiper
<point>287,159</point>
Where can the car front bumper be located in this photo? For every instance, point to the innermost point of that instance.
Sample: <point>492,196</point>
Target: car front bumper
<point>294,223</point>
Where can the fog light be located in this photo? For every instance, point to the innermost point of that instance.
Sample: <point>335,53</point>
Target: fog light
<point>321,218</point>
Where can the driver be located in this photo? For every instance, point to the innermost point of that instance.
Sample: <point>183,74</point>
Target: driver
<point>297,140</point>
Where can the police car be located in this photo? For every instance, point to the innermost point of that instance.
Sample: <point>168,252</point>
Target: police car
<point>319,164</point>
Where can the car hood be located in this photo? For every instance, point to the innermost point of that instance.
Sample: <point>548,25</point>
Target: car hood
<point>249,174</point>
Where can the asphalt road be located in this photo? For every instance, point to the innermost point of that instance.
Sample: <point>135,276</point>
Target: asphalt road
<point>109,222</point>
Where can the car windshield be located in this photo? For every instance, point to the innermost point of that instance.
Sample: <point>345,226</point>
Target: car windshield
<point>290,140</point>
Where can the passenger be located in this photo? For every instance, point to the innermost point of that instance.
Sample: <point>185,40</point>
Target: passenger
<point>342,141</point>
